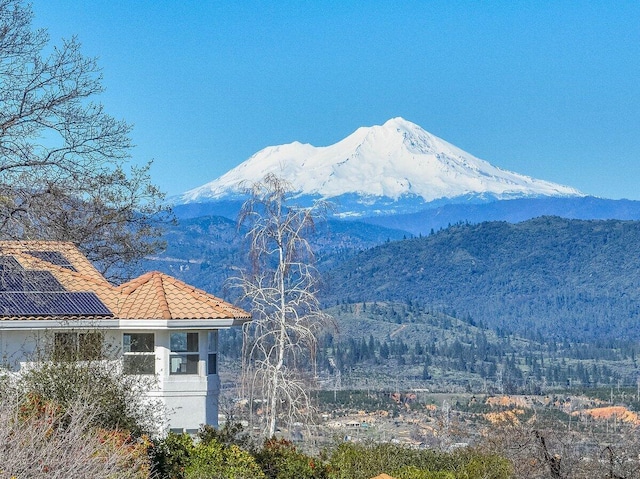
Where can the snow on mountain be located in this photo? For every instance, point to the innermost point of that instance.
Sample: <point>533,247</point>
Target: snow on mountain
<point>392,162</point>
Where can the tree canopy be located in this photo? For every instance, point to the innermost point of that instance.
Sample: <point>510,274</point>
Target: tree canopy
<point>63,159</point>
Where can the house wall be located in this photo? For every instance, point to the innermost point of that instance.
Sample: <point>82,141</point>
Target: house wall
<point>190,400</point>
<point>16,347</point>
<point>19,348</point>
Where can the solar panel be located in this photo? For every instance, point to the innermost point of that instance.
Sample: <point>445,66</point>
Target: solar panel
<point>27,280</point>
<point>58,303</point>
<point>9,263</point>
<point>53,257</point>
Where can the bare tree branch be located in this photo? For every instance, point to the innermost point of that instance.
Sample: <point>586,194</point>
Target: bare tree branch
<point>62,158</point>
<point>280,343</point>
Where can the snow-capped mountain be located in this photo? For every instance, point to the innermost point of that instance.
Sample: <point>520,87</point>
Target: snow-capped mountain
<point>396,167</point>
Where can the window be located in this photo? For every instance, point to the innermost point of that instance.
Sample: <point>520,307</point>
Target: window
<point>77,346</point>
<point>65,346</point>
<point>184,353</point>
<point>139,353</point>
<point>212,359</point>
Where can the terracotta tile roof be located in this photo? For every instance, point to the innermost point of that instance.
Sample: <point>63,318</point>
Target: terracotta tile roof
<point>382,476</point>
<point>157,295</point>
<point>153,295</point>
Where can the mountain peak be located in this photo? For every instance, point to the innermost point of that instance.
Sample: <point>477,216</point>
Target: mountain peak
<point>399,122</point>
<point>387,163</point>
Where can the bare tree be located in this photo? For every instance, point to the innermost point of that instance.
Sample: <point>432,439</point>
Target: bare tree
<point>542,450</point>
<point>62,158</point>
<point>280,343</point>
<point>38,439</point>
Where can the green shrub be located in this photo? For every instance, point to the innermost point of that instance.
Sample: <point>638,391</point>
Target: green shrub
<point>356,461</point>
<point>217,461</point>
<point>280,459</point>
<point>178,457</point>
<point>412,472</point>
<point>484,466</point>
<point>120,404</point>
<point>171,456</point>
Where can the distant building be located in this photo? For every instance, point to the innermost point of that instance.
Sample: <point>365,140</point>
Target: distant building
<point>52,297</point>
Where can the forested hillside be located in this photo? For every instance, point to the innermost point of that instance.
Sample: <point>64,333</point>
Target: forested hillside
<point>390,345</point>
<point>208,250</point>
<point>543,278</point>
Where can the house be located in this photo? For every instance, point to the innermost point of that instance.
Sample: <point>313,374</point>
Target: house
<point>53,300</point>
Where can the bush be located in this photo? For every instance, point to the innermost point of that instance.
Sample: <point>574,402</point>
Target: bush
<point>171,455</point>
<point>217,461</point>
<point>412,472</point>
<point>178,457</point>
<point>280,459</point>
<point>40,439</point>
<point>118,399</point>
<point>355,461</point>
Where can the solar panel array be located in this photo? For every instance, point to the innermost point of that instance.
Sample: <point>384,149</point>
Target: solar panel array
<point>27,280</point>
<point>53,257</point>
<point>58,303</point>
<point>38,293</point>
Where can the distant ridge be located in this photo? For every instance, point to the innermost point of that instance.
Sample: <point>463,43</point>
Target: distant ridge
<point>511,211</point>
<point>394,168</point>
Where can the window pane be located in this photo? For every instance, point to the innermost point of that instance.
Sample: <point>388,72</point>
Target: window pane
<point>184,342</point>
<point>138,342</point>
<point>192,342</point>
<point>212,364</point>
<point>90,346</point>
<point>65,346</point>
<point>184,364</point>
<point>139,364</point>
<point>213,341</point>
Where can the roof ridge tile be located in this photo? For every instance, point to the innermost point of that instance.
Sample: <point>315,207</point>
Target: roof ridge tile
<point>162,296</point>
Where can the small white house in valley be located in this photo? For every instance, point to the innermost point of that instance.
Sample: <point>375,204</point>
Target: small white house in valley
<point>53,299</point>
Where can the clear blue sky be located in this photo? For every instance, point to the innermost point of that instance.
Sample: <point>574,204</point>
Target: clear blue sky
<point>549,89</point>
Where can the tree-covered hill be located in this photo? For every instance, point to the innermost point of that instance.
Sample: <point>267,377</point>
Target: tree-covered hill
<point>384,345</point>
<point>547,277</point>
<point>206,251</point>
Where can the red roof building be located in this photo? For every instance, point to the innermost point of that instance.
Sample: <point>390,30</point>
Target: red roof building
<point>51,296</point>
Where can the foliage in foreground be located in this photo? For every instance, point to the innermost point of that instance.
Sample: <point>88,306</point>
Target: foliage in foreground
<point>40,439</point>
<point>179,457</point>
<point>358,461</point>
<point>117,399</point>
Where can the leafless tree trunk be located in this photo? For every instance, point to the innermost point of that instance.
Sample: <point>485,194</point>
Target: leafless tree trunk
<point>62,158</point>
<point>280,343</point>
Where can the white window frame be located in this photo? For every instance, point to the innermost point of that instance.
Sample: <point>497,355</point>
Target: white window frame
<point>145,356</point>
<point>212,352</point>
<point>184,356</point>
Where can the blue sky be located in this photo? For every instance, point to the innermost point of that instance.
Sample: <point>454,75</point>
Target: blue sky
<point>550,89</point>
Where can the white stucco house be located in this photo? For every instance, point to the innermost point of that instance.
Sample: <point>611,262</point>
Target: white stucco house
<point>53,299</point>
